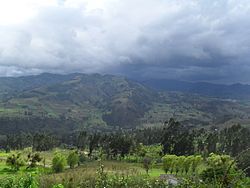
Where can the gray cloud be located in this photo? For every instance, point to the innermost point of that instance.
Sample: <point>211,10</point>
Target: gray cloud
<point>189,40</point>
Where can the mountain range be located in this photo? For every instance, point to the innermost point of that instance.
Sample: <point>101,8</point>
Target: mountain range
<point>63,103</point>
<point>232,91</point>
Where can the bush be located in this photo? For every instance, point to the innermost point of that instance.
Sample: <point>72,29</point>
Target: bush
<point>196,160</point>
<point>181,164</point>
<point>187,163</point>
<point>146,163</point>
<point>169,163</point>
<point>34,159</point>
<point>105,180</point>
<point>73,159</point>
<point>221,169</point>
<point>133,159</point>
<point>58,163</point>
<point>15,161</point>
<point>82,158</point>
<point>27,181</point>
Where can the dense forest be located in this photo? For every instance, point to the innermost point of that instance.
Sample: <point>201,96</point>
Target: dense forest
<point>174,137</point>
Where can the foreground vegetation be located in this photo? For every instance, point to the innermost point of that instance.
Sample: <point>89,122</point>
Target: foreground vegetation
<point>153,157</point>
<point>180,171</point>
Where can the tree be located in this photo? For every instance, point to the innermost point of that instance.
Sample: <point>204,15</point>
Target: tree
<point>177,139</point>
<point>93,142</point>
<point>243,161</point>
<point>82,158</point>
<point>146,163</point>
<point>171,130</point>
<point>179,164</point>
<point>34,159</point>
<point>234,140</point>
<point>15,161</point>
<point>187,163</point>
<point>196,160</point>
<point>58,163</point>
<point>120,144</point>
<point>43,142</point>
<point>211,142</point>
<point>82,140</point>
<point>169,162</point>
<point>221,168</point>
<point>73,159</point>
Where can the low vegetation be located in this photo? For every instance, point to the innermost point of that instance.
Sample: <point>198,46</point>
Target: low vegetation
<point>179,158</point>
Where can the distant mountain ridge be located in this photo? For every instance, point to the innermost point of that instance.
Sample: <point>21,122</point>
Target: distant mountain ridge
<point>233,91</point>
<point>66,103</point>
<point>13,84</point>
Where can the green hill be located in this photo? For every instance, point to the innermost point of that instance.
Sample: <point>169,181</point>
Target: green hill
<point>69,102</point>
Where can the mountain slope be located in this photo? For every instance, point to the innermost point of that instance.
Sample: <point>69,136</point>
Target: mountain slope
<point>66,103</point>
<point>234,91</point>
<point>87,99</point>
<point>12,85</point>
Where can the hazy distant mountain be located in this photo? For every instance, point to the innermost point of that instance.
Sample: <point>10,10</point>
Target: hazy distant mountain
<point>68,102</point>
<point>234,91</point>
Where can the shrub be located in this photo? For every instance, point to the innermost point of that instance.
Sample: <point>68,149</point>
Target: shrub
<point>133,159</point>
<point>73,159</point>
<point>187,163</point>
<point>196,160</point>
<point>221,169</point>
<point>34,159</point>
<point>82,158</point>
<point>169,162</point>
<point>15,161</point>
<point>179,166</point>
<point>146,163</point>
<point>26,181</point>
<point>58,163</point>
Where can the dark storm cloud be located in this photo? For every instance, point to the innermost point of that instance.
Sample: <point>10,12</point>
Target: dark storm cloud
<point>188,40</point>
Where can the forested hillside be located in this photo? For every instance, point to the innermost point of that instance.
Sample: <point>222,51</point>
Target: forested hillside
<point>224,91</point>
<point>65,103</point>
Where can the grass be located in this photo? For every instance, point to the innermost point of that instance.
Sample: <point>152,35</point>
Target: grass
<point>85,172</point>
<point>88,171</point>
<point>156,172</point>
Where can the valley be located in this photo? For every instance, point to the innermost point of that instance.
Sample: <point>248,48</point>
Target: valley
<point>106,101</point>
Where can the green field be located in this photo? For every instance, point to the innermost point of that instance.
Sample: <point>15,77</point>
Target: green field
<point>92,173</point>
<point>47,178</point>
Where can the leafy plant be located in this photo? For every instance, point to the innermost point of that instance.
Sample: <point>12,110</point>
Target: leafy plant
<point>15,161</point>
<point>221,169</point>
<point>34,159</point>
<point>58,163</point>
<point>58,186</point>
<point>146,163</point>
<point>25,181</point>
<point>168,162</point>
<point>73,159</point>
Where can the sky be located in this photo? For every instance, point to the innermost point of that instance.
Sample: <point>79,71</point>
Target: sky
<point>194,40</point>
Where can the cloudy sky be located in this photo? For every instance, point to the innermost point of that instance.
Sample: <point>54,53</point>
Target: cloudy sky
<point>195,40</point>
